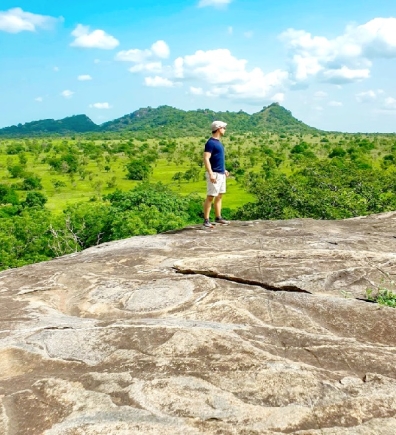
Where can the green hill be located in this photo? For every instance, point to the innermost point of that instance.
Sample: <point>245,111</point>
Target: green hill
<point>46,127</point>
<point>167,121</point>
<point>276,118</point>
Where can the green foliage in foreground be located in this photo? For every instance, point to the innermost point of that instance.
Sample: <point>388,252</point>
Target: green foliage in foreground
<point>29,233</point>
<point>335,189</point>
<point>382,296</point>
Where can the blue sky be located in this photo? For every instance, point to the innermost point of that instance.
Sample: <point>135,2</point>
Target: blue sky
<point>332,63</point>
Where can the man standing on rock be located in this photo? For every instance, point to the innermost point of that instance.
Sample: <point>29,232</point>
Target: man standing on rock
<point>216,174</point>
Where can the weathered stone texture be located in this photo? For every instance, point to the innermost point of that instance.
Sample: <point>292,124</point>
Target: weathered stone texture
<point>256,328</point>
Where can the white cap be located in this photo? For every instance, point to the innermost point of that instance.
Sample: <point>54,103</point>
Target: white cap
<point>217,124</point>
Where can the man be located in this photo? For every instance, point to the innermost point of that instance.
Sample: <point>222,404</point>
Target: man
<point>216,174</point>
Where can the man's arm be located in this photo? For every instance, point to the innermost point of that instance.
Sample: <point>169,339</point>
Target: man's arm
<point>208,167</point>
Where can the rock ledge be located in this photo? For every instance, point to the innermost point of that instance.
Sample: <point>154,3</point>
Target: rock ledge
<point>255,328</point>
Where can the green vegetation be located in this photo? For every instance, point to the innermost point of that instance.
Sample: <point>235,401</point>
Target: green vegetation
<point>30,233</point>
<point>336,189</point>
<point>62,194</point>
<point>382,296</point>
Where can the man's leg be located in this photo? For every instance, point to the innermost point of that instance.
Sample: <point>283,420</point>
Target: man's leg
<point>208,206</point>
<point>217,204</point>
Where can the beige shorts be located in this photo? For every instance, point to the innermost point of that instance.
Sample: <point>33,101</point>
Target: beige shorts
<point>213,189</point>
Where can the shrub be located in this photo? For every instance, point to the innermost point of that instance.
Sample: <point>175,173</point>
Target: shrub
<point>138,169</point>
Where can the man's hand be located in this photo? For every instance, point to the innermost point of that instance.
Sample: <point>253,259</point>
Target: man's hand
<point>227,174</point>
<point>213,178</point>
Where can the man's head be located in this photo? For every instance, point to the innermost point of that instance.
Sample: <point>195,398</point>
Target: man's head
<point>217,125</point>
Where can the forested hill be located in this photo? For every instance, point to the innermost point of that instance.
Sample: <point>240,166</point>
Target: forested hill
<point>70,125</point>
<point>167,121</point>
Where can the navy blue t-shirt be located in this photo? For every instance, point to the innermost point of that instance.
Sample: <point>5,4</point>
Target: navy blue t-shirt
<point>217,159</point>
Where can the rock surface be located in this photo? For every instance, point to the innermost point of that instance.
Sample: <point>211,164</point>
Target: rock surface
<point>255,328</point>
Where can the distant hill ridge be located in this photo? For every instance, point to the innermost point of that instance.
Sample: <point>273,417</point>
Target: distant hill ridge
<point>166,121</point>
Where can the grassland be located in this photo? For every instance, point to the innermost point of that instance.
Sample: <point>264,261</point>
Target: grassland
<point>103,170</point>
<point>103,177</point>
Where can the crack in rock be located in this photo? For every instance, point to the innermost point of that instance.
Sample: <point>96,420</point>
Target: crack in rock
<point>211,274</point>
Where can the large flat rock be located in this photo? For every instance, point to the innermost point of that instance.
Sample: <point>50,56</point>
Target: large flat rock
<point>255,328</point>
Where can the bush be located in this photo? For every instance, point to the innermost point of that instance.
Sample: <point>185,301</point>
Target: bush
<point>34,199</point>
<point>24,238</point>
<point>16,171</point>
<point>32,182</point>
<point>327,190</point>
<point>337,152</point>
<point>8,195</point>
<point>138,170</point>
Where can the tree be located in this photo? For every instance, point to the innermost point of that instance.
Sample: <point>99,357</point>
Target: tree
<point>192,173</point>
<point>16,171</point>
<point>66,163</point>
<point>178,177</point>
<point>112,182</point>
<point>34,199</point>
<point>8,195</point>
<point>24,239</point>
<point>138,169</point>
<point>337,152</point>
<point>58,184</point>
<point>31,182</point>
<point>22,159</point>
<point>335,189</point>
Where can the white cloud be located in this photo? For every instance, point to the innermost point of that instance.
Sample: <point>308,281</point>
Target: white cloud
<point>84,77</point>
<point>228,76</point>
<point>215,3</point>
<point>217,73</point>
<point>134,55</point>
<point>143,59</point>
<point>213,66</point>
<point>390,103</point>
<point>335,103</point>
<point>95,39</point>
<point>39,99</point>
<point>160,49</point>
<point>278,98</point>
<point>152,67</point>
<point>100,106</point>
<point>196,91</point>
<point>377,37</point>
<point>56,69</point>
<point>137,68</point>
<point>259,86</point>
<point>157,81</point>
<point>365,97</point>
<point>230,30</point>
<point>248,34</point>
<point>345,75</point>
<point>344,59</point>
<point>67,93</point>
<point>16,20</point>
